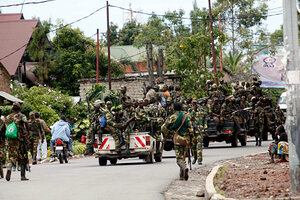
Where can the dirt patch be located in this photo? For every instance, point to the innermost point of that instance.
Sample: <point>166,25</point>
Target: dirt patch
<point>252,177</point>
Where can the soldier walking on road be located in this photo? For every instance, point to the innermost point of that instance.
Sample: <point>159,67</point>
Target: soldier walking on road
<point>17,150</point>
<point>35,133</point>
<point>180,124</point>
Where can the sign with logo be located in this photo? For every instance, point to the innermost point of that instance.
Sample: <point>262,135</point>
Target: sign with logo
<point>271,70</point>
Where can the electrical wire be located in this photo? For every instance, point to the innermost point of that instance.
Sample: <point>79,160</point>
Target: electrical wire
<point>27,3</point>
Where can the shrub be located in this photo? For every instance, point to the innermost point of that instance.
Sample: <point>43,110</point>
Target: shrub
<point>78,148</point>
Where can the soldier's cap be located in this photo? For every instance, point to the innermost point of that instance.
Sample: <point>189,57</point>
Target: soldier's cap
<point>169,99</point>
<point>108,103</point>
<point>16,104</point>
<point>146,100</point>
<point>214,85</point>
<point>195,101</point>
<point>123,87</point>
<point>31,113</point>
<point>141,101</point>
<point>98,103</point>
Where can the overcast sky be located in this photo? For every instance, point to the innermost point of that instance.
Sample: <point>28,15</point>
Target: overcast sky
<point>71,10</point>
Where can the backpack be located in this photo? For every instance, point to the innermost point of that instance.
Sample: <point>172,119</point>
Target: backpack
<point>11,131</point>
<point>102,121</point>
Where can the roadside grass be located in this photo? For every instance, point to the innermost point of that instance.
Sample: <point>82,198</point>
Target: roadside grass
<point>219,178</point>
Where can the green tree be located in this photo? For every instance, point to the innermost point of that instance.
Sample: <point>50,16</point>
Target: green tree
<point>38,49</point>
<point>129,32</point>
<point>243,17</point>
<point>75,58</point>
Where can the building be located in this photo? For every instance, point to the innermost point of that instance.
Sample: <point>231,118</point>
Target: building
<point>15,35</point>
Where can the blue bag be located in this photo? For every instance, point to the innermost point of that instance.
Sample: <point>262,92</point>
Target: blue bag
<point>102,121</point>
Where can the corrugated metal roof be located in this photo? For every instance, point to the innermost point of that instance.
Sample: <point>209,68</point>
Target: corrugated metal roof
<point>10,97</point>
<point>14,36</point>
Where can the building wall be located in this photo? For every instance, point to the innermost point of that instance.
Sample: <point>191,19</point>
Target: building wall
<point>4,80</point>
<point>134,84</point>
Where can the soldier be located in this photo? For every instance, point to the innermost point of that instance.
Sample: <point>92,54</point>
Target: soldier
<point>2,145</point>
<point>259,117</point>
<point>94,128</point>
<point>150,93</point>
<point>178,96</point>
<point>35,133</point>
<point>197,119</point>
<point>171,91</point>
<point>17,150</point>
<point>142,118</point>
<point>124,95</point>
<point>280,118</point>
<point>180,124</point>
<point>169,108</point>
<point>128,124</point>
<point>111,125</point>
<point>215,110</point>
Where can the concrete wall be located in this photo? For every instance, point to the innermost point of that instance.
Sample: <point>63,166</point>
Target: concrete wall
<point>4,80</point>
<point>134,84</point>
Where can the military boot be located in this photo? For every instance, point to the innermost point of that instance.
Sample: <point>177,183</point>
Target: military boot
<point>8,173</point>
<point>157,147</point>
<point>256,144</point>
<point>181,175</point>
<point>194,160</point>
<point>1,172</point>
<point>23,177</point>
<point>127,151</point>
<point>185,170</point>
<point>122,142</point>
<point>34,159</point>
<point>259,142</point>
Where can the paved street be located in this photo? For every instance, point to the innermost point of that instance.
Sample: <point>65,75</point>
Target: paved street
<point>129,179</point>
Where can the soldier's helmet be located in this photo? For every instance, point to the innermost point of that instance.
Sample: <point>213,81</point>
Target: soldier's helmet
<point>169,99</point>
<point>214,86</point>
<point>16,105</point>
<point>31,113</point>
<point>108,103</point>
<point>140,101</point>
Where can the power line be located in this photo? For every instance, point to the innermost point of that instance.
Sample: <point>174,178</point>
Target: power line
<point>27,3</point>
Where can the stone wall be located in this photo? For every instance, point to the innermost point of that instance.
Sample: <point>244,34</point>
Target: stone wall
<point>4,80</point>
<point>134,84</point>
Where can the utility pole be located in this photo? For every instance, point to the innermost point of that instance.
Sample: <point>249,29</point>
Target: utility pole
<point>221,56</point>
<point>212,42</point>
<point>149,50</point>
<point>291,42</point>
<point>97,56</point>
<point>232,26</point>
<point>160,62</point>
<point>108,46</point>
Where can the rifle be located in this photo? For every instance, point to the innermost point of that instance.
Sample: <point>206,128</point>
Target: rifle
<point>189,153</point>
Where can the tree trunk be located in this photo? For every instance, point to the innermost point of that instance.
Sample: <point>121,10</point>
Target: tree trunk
<point>149,50</point>
<point>160,62</point>
<point>232,26</point>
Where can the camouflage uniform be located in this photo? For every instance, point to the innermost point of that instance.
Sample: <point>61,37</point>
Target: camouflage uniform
<point>142,118</point>
<point>280,118</point>
<point>181,143</point>
<point>110,127</point>
<point>259,117</point>
<point>197,117</point>
<point>35,133</point>
<point>128,113</point>
<point>156,113</point>
<point>93,128</point>
<point>17,149</point>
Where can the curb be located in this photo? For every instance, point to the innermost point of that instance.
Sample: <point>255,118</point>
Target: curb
<point>210,191</point>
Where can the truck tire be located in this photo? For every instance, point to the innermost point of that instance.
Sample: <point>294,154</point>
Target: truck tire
<point>234,140</point>
<point>150,157</point>
<point>113,161</point>
<point>205,142</point>
<point>243,140</point>
<point>158,157</point>
<point>102,161</point>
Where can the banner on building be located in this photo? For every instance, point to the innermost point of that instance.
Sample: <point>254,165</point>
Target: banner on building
<point>270,70</point>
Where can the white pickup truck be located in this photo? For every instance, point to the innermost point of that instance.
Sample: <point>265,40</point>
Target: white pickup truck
<point>142,145</point>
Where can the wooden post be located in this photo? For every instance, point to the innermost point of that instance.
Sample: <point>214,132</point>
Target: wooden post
<point>149,50</point>
<point>108,46</point>
<point>160,63</point>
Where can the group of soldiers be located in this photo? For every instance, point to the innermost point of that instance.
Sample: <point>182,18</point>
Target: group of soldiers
<point>29,132</point>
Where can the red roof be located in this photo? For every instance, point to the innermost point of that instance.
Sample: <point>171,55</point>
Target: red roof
<point>14,37</point>
<point>138,67</point>
<point>11,17</point>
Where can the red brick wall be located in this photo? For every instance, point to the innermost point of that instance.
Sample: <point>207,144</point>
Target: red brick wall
<point>4,80</point>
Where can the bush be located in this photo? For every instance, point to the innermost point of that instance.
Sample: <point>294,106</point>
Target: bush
<point>78,148</point>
